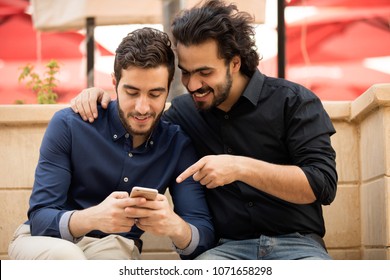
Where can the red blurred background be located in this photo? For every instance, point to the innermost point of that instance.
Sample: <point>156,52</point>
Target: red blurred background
<point>338,51</point>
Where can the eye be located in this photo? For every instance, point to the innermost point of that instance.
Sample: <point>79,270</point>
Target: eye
<point>185,73</point>
<point>131,92</point>
<point>155,94</point>
<point>205,73</point>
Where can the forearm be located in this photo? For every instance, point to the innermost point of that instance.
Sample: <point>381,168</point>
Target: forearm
<point>286,182</point>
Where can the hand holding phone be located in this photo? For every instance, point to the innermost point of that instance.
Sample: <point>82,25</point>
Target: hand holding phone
<point>149,194</point>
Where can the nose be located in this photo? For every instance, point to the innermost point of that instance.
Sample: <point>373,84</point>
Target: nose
<point>193,83</point>
<point>142,105</point>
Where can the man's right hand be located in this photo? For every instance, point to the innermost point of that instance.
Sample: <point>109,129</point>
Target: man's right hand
<point>109,216</point>
<point>85,103</point>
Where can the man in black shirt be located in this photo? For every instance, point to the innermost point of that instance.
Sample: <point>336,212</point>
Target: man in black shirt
<point>267,159</point>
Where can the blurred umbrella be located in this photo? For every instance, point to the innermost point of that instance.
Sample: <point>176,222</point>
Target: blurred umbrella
<point>334,51</point>
<point>339,3</point>
<point>23,42</point>
<point>12,7</point>
<point>340,35</point>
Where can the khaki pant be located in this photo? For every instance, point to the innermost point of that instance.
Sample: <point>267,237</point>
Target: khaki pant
<point>112,247</point>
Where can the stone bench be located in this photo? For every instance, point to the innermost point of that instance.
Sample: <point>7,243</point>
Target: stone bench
<point>357,222</point>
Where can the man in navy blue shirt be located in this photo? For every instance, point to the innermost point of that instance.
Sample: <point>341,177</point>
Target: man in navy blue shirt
<point>267,159</point>
<point>80,206</point>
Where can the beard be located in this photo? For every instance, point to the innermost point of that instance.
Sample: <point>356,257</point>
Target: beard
<point>133,131</point>
<point>221,93</point>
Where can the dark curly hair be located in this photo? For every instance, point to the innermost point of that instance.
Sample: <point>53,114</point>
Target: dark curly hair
<point>230,28</point>
<point>144,48</point>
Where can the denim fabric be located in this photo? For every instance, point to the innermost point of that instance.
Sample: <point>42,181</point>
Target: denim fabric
<point>293,246</point>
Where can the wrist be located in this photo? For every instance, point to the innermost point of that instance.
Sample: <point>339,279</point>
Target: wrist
<point>182,235</point>
<point>239,167</point>
<point>79,223</point>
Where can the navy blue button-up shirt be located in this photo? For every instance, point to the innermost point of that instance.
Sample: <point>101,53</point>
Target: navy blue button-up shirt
<point>80,164</point>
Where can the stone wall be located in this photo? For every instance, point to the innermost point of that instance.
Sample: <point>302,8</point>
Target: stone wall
<point>358,221</point>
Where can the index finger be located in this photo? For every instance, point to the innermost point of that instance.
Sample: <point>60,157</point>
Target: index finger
<point>190,171</point>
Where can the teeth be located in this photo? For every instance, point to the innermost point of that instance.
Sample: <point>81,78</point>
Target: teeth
<point>201,94</point>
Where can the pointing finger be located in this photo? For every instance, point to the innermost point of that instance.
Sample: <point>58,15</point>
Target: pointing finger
<point>190,171</point>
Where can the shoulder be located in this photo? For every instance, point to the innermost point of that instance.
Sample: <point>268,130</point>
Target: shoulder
<point>288,89</point>
<point>69,116</point>
<point>64,115</point>
<point>62,124</point>
<point>289,99</point>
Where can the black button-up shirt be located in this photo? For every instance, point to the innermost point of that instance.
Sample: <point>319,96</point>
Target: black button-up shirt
<point>276,121</point>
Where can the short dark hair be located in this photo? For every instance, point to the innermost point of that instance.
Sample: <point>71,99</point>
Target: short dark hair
<point>145,48</point>
<point>231,29</point>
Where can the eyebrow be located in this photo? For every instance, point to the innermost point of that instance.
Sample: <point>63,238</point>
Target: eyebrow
<point>203,68</point>
<point>161,89</point>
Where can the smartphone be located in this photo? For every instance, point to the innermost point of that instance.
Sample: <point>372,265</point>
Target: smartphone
<point>149,194</point>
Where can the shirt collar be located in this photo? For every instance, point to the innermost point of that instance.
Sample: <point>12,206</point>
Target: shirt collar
<point>116,126</point>
<point>253,89</point>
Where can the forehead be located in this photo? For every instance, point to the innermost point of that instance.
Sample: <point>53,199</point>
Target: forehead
<point>145,78</point>
<point>197,56</point>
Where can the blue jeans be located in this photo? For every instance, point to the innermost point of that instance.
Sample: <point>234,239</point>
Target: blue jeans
<point>293,246</point>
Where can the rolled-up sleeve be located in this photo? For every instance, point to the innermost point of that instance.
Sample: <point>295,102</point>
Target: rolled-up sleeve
<point>309,142</point>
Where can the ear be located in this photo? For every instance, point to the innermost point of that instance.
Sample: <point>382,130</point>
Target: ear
<point>235,64</point>
<point>113,79</point>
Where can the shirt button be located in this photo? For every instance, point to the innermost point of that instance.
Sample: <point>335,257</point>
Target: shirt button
<point>127,135</point>
<point>151,143</point>
<point>250,204</point>
<point>226,117</point>
<point>229,150</point>
<point>125,179</point>
<point>115,136</point>
<point>130,155</point>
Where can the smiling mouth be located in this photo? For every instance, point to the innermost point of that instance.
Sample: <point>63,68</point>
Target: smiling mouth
<point>200,95</point>
<point>141,118</point>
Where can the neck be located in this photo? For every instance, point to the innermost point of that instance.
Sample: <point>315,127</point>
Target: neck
<point>138,140</point>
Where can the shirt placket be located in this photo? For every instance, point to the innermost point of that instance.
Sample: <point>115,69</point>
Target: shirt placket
<point>225,130</point>
<point>125,179</point>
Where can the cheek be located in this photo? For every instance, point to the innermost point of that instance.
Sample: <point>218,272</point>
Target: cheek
<point>218,84</point>
<point>125,103</point>
<point>159,106</point>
